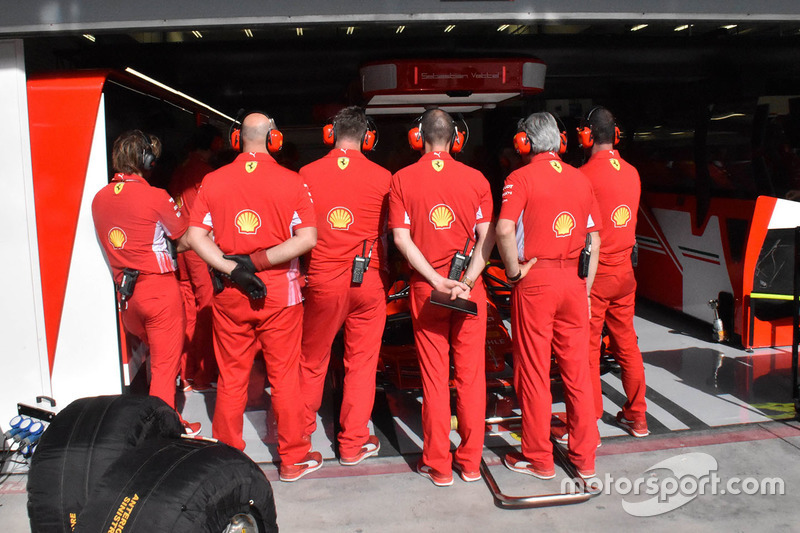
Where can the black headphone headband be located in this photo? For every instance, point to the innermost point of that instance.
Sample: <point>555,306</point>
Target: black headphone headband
<point>148,158</point>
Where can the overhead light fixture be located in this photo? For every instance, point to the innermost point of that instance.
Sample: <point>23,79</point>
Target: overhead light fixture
<point>299,32</point>
<point>248,32</point>
<point>350,30</point>
<point>89,36</point>
<point>503,27</point>
<point>449,28</point>
<point>197,34</point>
<point>681,27</point>
<point>639,27</point>
<point>400,29</point>
<point>730,26</point>
<point>179,93</point>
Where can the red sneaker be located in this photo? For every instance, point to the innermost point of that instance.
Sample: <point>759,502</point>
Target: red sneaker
<point>438,479</point>
<point>370,448</point>
<point>466,475</point>
<point>310,463</point>
<point>636,428</point>
<point>516,461</point>
<point>191,429</point>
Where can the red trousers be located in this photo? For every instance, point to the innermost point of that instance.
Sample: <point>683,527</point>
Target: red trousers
<point>241,328</point>
<point>613,302</point>
<point>155,315</point>
<point>438,332</point>
<point>197,361</point>
<point>550,315</point>
<point>362,311</point>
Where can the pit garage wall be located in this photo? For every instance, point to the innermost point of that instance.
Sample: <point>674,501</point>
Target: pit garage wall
<point>24,372</point>
<point>71,15</point>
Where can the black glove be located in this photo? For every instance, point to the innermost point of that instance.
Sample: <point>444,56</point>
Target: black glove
<point>244,261</point>
<point>252,286</point>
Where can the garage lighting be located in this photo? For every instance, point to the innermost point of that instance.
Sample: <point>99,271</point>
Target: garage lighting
<point>730,26</point>
<point>350,30</point>
<point>248,32</point>
<point>502,28</point>
<point>400,29</point>
<point>299,32</point>
<point>197,34</point>
<point>89,36</point>
<point>639,27</point>
<point>449,28</point>
<point>175,91</point>
<point>682,27</point>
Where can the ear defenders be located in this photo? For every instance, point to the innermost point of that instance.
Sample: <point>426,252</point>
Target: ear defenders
<point>148,159</point>
<point>274,136</point>
<point>523,145</point>
<point>585,138</point>
<point>368,143</point>
<point>416,139</point>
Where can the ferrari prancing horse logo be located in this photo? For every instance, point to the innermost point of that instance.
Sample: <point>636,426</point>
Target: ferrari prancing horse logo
<point>614,163</point>
<point>118,187</point>
<point>437,165</point>
<point>250,166</point>
<point>343,162</point>
<point>556,165</point>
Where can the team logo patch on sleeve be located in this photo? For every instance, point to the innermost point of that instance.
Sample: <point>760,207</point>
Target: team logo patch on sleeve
<point>118,187</point>
<point>248,222</point>
<point>437,165</point>
<point>563,224</point>
<point>250,166</point>
<point>117,238</point>
<point>614,163</point>
<point>441,216</point>
<point>340,218</point>
<point>556,165</point>
<point>621,216</point>
<point>343,162</point>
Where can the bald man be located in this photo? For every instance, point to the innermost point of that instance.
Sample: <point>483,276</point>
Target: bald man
<point>263,220</point>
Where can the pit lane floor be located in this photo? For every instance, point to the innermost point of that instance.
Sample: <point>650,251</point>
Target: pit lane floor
<point>712,410</point>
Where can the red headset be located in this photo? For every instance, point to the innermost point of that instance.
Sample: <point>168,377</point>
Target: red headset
<point>416,138</point>
<point>368,143</point>
<point>585,138</point>
<point>523,145</point>
<point>274,136</point>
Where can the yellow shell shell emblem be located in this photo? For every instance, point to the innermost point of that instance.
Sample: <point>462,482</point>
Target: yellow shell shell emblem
<point>621,216</point>
<point>614,163</point>
<point>557,166</point>
<point>340,218</point>
<point>437,165</point>
<point>343,162</point>
<point>563,224</point>
<point>442,216</point>
<point>250,166</point>
<point>117,238</point>
<point>118,187</point>
<point>248,221</point>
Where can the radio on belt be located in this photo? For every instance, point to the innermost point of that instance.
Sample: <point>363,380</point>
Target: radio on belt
<point>460,262</point>
<point>361,263</point>
<point>126,286</point>
<point>583,261</point>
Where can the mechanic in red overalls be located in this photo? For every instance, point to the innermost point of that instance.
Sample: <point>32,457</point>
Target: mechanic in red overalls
<point>547,209</point>
<point>133,221</point>
<point>198,366</point>
<point>351,203</point>
<point>262,212</point>
<point>436,206</point>
<point>617,188</point>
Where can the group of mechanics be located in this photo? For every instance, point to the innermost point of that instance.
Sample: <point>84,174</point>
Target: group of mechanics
<point>251,221</point>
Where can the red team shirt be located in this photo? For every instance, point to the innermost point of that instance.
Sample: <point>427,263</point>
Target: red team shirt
<point>133,221</point>
<point>550,223</point>
<point>253,204</point>
<point>185,183</point>
<point>617,189</point>
<point>441,201</point>
<point>350,201</point>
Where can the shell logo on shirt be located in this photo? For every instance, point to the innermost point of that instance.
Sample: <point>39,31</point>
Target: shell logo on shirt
<point>250,166</point>
<point>340,218</point>
<point>441,216</point>
<point>248,221</point>
<point>563,224</point>
<point>614,163</point>
<point>343,162</point>
<point>556,166</point>
<point>437,165</point>
<point>621,216</point>
<point>118,187</point>
<point>117,238</point>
